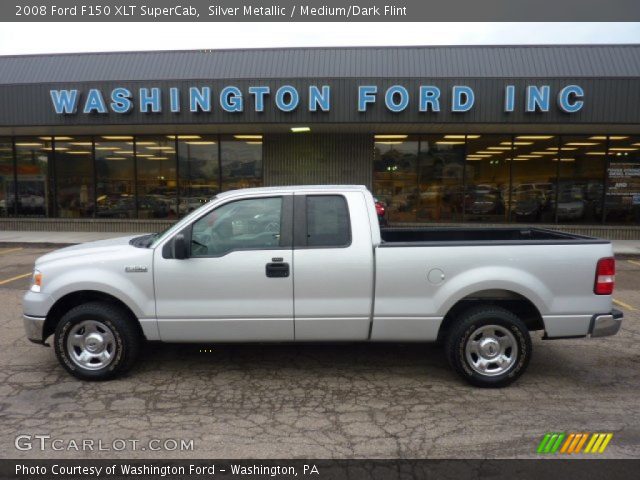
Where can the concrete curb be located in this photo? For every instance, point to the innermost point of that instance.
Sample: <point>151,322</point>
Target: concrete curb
<point>21,239</point>
<point>35,245</point>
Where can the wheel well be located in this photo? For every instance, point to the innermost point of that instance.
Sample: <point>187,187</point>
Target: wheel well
<point>71,300</point>
<point>512,301</point>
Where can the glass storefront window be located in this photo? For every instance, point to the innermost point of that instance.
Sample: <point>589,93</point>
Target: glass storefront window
<point>7,197</point>
<point>241,162</point>
<point>395,177</point>
<point>199,170</point>
<point>440,177</point>
<point>580,185</point>
<point>534,171</point>
<point>33,156</point>
<point>74,177</point>
<point>487,178</point>
<point>115,196</point>
<point>157,184</point>
<point>622,204</point>
<point>528,178</point>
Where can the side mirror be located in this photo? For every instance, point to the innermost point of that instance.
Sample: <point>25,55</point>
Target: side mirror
<point>180,250</point>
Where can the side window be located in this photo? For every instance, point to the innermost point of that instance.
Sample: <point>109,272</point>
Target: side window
<point>246,224</point>
<point>327,221</point>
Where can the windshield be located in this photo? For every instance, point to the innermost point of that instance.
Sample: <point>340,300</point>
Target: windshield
<point>157,237</point>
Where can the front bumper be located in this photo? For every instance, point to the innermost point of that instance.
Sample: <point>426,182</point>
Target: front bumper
<point>606,324</point>
<point>34,327</point>
<point>35,308</point>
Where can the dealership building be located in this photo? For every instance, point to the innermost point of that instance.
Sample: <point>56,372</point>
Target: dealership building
<point>528,135</point>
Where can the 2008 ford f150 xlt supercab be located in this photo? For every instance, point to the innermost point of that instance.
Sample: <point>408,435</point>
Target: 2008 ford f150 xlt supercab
<point>301,264</point>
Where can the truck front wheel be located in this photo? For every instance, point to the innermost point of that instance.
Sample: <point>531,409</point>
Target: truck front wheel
<point>96,341</point>
<point>489,346</point>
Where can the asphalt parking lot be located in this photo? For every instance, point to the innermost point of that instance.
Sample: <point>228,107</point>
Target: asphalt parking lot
<point>318,401</point>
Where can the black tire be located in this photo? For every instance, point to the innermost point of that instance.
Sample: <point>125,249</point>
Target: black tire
<point>125,345</point>
<point>467,325</point>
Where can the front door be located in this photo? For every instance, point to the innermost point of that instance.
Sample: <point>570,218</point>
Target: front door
<point>237,284</point>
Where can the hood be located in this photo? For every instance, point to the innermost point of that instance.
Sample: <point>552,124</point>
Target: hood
<point>90,248</point>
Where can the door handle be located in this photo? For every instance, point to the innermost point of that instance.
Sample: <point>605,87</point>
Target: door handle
<point>277,270</point>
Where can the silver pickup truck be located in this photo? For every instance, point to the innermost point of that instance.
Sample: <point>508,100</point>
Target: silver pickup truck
<point>310,264</point>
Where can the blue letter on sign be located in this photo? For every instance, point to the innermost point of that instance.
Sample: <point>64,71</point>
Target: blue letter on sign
<point>389,98</point>
<point>429,96</point>
<point>319,98</point>
<point>121,100</point>
<point>509,98</point>
<point>174,99</point>
<point>95,102</point>
<point>150,100</point>
<point>259,93</point>
<point>462,98</point>
<point>366,94</point>
<point>64,101</point>
<point>231,99</point>
<point>538,98</point>
<point>294,98</point>
<point>200,99</point>
<point>569,98</point>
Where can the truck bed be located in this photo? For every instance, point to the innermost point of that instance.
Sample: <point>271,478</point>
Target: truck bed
<point>452,236</point>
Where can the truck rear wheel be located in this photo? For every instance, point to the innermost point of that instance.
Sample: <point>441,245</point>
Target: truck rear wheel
<point>489,346</point>
<point>96,341</point>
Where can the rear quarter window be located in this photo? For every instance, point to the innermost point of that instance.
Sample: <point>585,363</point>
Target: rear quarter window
<point>328,223</point>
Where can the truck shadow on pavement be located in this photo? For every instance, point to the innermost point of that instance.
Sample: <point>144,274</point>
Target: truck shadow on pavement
<point>281,359</point>
<point>552,363</point>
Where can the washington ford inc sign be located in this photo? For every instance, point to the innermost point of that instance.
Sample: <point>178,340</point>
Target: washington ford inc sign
<point>315,98</point>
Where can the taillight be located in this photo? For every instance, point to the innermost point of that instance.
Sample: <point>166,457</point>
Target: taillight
<point>605,276</point>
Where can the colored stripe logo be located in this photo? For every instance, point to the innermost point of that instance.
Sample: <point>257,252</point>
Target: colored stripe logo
<point>575,442</point>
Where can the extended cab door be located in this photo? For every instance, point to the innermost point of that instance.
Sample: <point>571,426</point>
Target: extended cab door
<point>237,283</point>
<point>333,267</point>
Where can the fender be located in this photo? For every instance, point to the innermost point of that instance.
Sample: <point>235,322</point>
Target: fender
<point>138,296</point>
<point>490,278</point>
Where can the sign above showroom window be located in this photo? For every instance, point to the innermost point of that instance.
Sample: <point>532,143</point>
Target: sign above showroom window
<point>315,98</point>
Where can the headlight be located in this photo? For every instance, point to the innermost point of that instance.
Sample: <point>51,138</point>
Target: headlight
<point>36,281</point>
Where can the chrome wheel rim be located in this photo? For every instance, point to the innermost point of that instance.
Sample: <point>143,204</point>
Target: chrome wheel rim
<point>91,345</point>
<point>491,350</point>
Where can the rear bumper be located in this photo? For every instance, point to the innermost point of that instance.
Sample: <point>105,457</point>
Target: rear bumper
<point>606,324</point>
<point>34,327</point>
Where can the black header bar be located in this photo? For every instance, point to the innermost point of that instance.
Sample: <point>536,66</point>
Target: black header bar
<point>320,11</point>
<point>578,469</point>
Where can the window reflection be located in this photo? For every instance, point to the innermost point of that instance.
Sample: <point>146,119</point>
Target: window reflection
<point>622,203</point>
<point>395,178</point>
<point>115,176</point>
<point>74,177</point>
<point>580,186</point>
<point>33,155</point>
<point>440,176</point>
<point>487,173</point>
<point>328,222</point>
<point>199,170</point>
<point>534,171</point>
<point>7,197</point>
<point>241,161</point>
<point>157,186</point>
<point>253,223</point>
<point>433,178</point>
